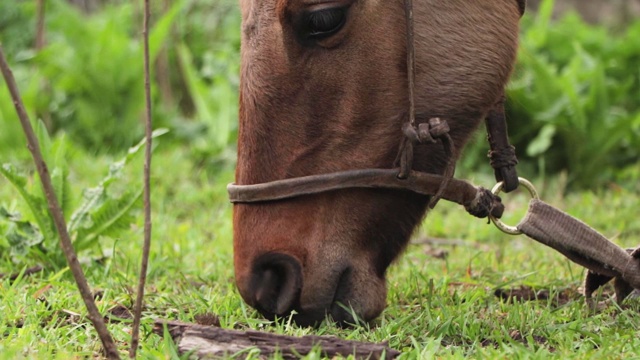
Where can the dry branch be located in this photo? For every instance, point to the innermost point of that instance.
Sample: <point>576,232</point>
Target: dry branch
<point>212,342</point>
<point>146,247</point>
<point>111,351</point>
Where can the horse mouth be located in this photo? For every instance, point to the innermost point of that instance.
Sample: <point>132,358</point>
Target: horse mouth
<point>338,310</point>
<point>341,311</point>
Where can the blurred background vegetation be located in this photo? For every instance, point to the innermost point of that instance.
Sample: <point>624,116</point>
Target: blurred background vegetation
<point>85,79</point>
<point>574,102</point>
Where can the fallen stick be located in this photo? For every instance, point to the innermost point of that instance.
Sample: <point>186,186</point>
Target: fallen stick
<point>209,342</point>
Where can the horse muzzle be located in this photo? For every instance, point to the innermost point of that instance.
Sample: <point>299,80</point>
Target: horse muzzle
<point>276,288</point>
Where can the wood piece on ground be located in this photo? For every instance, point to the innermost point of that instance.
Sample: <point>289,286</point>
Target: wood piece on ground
<point>212,342</point>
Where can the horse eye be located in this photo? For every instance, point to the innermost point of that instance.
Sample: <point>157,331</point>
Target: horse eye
<point>321,24</point>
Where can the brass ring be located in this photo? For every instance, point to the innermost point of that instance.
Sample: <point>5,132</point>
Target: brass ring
<point>512,230</point>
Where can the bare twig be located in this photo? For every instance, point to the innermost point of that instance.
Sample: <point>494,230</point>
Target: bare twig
<point>27,272</point>
<point>111,351</point>
<point>135,333</point>
<point>212,342</point>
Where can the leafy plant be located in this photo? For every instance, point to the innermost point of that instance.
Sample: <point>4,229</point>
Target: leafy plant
<point>92,68</point>
<point>93,64</point>
<point>207,59</point>
<point>11,137</point>
<point>17,26</point>
<point>573,100</point>
<point>102,211</point>
<point>215,102</point>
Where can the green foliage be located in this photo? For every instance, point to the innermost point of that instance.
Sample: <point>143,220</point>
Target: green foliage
<point>102,211</point>
<point>94,67</point>
<point>88,81</point>
<point>12,139</point>
<point>215,107</point>
<point>20,235</point>
<point>17,26</point>
<point>573,99</point>
<point>207,60</point>
<point>209,26</point>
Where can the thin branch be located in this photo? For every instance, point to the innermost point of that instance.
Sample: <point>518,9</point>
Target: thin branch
<point>135,333</point>
<point>111,351</point>
<point>30,271</point>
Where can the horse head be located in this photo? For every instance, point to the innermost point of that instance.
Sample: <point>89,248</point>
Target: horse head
<point>324,89</point>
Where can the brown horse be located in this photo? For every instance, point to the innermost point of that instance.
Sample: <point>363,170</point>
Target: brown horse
<point>324,89</point>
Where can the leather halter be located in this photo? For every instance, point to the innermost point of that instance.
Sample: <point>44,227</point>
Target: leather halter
<point>477,201</point>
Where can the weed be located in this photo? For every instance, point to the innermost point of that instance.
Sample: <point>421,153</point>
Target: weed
<point>573,99</point>
<point>102,211</point>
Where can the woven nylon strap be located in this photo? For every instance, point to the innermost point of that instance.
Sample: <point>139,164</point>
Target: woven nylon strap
<point>584,246</point>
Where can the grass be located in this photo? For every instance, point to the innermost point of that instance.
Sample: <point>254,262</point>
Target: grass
<point>436,308</point>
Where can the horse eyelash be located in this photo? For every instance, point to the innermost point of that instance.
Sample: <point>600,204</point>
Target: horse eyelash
<point>326,18</point>
<point>322,19</point>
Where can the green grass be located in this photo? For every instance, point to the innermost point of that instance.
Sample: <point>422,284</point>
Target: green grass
<point>436,308</point>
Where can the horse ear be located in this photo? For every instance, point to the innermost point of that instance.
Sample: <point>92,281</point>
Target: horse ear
<point>522,4</point>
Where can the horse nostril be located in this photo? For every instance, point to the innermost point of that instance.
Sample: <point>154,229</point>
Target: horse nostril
<point>276,281</point>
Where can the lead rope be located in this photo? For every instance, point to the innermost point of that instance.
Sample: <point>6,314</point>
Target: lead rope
<point>434,129</point>
<point>502,154</point>
<point>411,62</point>
<point>405,153</point>
<point>569,236</point>
<point>579,243</point>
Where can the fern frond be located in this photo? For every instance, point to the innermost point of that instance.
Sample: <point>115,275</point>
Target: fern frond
<point>94,198</point>
<point>59,180</point>
<point>37,205</point>
<point>109,219</point>
<point>81,218</point>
